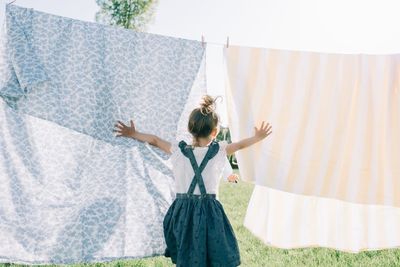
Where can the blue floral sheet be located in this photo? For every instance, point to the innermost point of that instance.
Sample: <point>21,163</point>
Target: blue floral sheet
<point>71,191</point>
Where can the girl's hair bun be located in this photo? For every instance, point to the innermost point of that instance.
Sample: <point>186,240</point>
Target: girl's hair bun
<point>208,105</point>
<point>203,120</point>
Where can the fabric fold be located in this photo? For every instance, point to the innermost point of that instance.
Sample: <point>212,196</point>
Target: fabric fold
<point>287,220</point>
<point>26,66</point>
<point>91,67</point>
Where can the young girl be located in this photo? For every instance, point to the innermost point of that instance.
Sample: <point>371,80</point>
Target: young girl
<point>196,229</point>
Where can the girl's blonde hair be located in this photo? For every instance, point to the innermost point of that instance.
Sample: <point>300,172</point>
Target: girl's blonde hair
<point>204,119</point>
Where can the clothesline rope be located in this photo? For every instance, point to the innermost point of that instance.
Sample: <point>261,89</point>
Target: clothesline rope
<point>204,42</point>
<point>11,2</point>
<point>202,37</point>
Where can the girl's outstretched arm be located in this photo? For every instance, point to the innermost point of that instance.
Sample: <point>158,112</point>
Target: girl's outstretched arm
<point>259,134</point>
<point>126,131</point>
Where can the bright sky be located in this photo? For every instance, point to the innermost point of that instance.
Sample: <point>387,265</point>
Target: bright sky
<point>347,26</point>
<point>334,26</point>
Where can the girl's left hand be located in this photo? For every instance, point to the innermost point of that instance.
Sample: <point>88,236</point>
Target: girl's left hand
<point>263,132</point>
<point>233,178</point>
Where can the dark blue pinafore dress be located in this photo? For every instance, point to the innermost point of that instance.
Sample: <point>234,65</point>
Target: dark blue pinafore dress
<point>196,229</point>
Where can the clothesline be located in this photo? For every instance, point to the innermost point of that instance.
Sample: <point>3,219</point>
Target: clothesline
<point>12,2</point>
<point>204,42</point>
<point>202,37</point>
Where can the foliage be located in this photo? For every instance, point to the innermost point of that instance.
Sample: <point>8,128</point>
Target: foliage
<point>225,134</point>
<point>130,14</point>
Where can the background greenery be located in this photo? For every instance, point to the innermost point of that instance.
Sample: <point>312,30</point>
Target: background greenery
<point>130,14</point>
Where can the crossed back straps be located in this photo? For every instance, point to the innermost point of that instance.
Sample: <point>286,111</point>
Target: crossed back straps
<point>198,178</point>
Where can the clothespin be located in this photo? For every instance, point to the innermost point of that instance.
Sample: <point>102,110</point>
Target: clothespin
<point>11,2</point>
<point>227,41</point>
<point>203,43</point>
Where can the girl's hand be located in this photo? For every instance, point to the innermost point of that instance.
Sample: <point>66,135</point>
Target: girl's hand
<point>124,130</point>
<point>263,132</point>
<point>233,178</point>
<point>259,134</point>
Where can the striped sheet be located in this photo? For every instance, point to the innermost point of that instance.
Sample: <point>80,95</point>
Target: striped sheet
<point>335,118</point>
<point>287,220</point>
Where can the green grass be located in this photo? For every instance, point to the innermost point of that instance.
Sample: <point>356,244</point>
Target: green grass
<point>235,198</point>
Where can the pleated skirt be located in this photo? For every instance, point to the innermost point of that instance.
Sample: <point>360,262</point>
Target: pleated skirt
<point>198,233</point>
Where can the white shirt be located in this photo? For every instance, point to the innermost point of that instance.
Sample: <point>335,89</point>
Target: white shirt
<point>183,172</point>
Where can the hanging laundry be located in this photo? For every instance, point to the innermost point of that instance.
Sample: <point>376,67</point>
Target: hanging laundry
<point>335,141</point>
<point>71,191</point>
<point>336,122</point>
<point>288,220</point>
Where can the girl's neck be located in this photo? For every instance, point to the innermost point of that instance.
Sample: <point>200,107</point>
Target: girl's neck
<point>202,142</point>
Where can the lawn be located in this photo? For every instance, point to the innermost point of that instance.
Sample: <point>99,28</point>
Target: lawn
<point>235,197</point>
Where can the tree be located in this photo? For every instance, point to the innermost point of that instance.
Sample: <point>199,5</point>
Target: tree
<point>130,14</point>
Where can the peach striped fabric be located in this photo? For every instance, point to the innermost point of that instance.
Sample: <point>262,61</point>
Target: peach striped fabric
<point>335,118</point>
<point>287,220</point>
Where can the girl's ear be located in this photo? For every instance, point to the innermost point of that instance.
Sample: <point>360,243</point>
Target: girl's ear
<point>215,132</point>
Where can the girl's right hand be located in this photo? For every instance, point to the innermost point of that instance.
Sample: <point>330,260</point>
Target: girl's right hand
<point>123,130</point>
